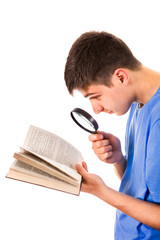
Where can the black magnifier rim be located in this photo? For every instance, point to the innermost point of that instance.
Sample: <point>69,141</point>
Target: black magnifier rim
<point>87,116</point>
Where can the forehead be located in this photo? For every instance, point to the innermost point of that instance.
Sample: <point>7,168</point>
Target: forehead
<point>93,90</point>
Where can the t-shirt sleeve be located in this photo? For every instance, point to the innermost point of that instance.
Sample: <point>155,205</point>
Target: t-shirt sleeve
<point>153,162</point>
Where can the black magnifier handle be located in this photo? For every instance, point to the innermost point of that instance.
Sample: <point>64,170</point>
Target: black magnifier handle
<point>84,120</point>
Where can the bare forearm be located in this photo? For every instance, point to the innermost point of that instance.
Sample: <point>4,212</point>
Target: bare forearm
<point>145,212</point>
<point>120,167</point>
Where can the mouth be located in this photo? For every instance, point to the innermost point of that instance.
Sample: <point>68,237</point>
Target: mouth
<point>110,112</point>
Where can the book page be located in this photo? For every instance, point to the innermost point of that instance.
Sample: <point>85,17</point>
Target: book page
<point>25,172</point>
<point>52,148</point>
<point>31,170</point>
<point>39,163</point>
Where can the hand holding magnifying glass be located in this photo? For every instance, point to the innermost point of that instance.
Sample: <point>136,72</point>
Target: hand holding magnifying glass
<point>109,147</point>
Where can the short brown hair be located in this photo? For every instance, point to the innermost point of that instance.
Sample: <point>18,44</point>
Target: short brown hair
<point>94,57</point>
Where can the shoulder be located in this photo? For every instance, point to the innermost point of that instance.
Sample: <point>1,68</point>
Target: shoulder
<point>151,110</point>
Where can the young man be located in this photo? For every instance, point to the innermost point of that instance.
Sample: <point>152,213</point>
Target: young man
<point>104,69</point>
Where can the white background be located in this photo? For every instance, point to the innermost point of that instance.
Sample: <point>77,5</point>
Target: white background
<point>35,37</point>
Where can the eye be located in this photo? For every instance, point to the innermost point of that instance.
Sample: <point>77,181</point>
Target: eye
<point>95,97</point>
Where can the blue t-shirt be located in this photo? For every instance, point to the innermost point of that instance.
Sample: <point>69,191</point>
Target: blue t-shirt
<point>141,178</point>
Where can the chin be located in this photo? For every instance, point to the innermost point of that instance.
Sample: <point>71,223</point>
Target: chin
<point>120,113</point>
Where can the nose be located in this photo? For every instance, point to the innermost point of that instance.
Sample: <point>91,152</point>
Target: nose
<point>97,108</point>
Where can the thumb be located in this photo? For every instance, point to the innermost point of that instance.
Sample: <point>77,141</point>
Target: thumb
<point>81,170</point>
<point>106,135</point>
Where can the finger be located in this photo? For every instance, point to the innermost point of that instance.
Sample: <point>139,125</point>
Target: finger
<point>95,137</point>
<point>84,164</point>
<point>103,150</point>
<point>106,157</point>
<point>99,144</point>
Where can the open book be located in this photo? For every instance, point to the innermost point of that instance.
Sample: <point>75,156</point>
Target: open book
<point>47,160</point>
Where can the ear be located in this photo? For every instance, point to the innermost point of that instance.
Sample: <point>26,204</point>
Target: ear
<point>121,76</point>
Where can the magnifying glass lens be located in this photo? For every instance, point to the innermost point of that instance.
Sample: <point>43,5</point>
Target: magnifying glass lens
<point>84,120</point>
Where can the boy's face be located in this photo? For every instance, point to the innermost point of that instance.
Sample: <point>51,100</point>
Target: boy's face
<point>115,99</point>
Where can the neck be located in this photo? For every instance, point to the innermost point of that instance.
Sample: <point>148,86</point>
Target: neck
<point>145,84</point>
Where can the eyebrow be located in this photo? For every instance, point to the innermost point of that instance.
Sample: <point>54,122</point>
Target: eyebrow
<point>89,94</point>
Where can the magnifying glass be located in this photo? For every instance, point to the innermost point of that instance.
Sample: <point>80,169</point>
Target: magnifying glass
<point>84,120</point>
